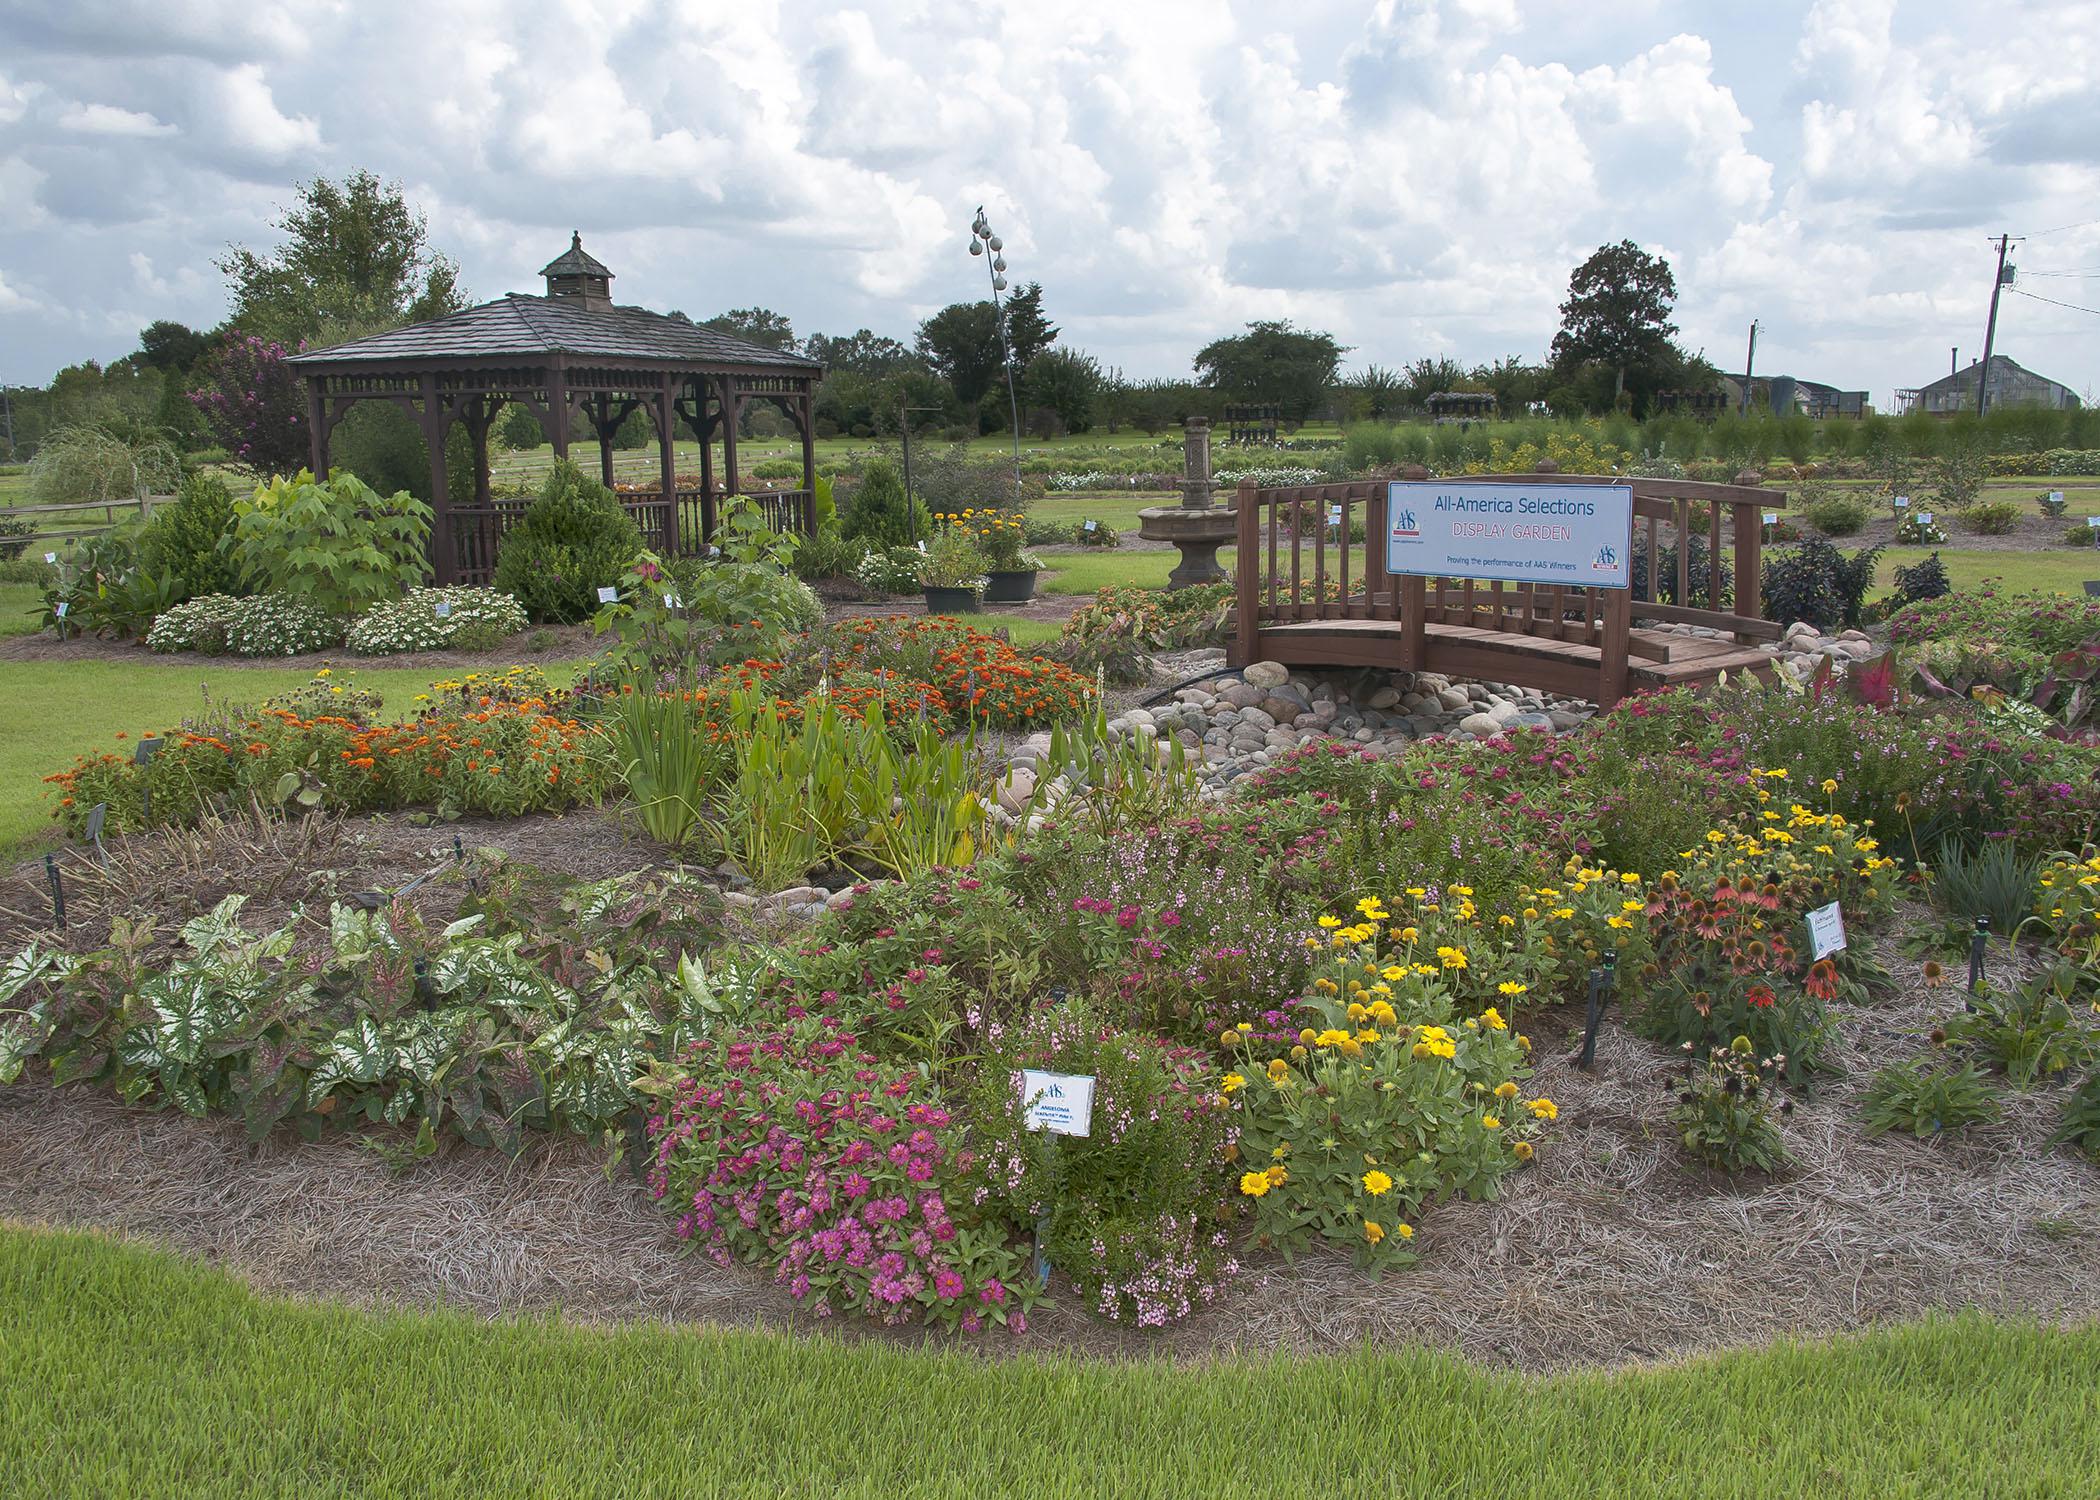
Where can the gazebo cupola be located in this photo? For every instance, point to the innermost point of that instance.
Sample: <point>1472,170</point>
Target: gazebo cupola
<point>578,276</point>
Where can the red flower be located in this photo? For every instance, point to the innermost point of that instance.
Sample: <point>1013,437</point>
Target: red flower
<point>1760,996</point>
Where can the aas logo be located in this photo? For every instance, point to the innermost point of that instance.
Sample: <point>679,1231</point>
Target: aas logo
<point>1606,560</point>
<point>1404,524</point>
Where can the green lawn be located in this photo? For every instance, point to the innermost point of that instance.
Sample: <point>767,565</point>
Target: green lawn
<point>2062,569</point>
<point>21,604</point>
<point>59,709</point>
<point>1084,572</point>
<point>132,1372</point>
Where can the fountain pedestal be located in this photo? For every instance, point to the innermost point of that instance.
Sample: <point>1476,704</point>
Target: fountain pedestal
<point>1195,526</point>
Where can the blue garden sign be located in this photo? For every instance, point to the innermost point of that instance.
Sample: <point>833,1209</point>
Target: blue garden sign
<point>1578,535</point>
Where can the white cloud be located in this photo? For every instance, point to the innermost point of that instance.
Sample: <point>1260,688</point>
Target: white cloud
<point>249,120</point>
<point>107,119</point>
<point>1419,179</point>
<point>13,301</point>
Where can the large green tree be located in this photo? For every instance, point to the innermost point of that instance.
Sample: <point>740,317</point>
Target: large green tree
<point>1027,330</point>
<point>1617,317</point>
<point>756,325</point>
<point>864,352</point>
<point>961,342</point>
<point>1063,381</point>
<point>167,345</point>
<point>1273,362</point>
<point>356,258</point>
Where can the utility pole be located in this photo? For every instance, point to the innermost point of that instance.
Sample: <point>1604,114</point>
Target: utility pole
<point>1749,359</point>
<point>1990,330</point>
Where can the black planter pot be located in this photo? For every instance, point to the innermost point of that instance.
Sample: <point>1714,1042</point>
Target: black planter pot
<point>950,601</point>
<point>1009,586</point>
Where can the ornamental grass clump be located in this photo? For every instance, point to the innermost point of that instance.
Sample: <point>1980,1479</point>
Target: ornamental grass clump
<point>794,1148</point>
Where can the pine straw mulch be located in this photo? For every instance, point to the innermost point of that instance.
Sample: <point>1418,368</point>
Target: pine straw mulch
<point>1611,1250</point>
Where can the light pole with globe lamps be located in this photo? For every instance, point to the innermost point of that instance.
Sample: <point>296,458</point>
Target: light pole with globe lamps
<point>982,241</point>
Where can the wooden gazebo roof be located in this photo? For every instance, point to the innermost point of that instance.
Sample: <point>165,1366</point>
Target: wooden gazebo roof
<point>570,355</point>
<point>520,328</point>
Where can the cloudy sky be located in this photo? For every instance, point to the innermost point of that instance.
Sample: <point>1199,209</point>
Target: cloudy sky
<point>1418,176</point>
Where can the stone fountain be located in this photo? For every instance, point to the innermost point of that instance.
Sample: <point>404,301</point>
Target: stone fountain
<point>1196,526</point>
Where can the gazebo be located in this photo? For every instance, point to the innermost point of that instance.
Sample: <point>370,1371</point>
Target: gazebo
<point>571,356</point>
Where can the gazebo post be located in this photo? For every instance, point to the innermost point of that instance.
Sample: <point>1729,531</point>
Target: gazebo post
<point>316,426</point>
<point>666,436</point>
<point>730,405</point>
<point>444,556</point>
<point>704,429</point>
<point>602,414</point>
<point>482,417</point>
<point>558,407</point>
<point>809,463</point>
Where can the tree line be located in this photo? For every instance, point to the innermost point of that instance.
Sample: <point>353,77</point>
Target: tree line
<point>356,259</point>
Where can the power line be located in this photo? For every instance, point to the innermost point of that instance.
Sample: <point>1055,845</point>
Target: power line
<point>2030,296</point>
<point>2059,229</point>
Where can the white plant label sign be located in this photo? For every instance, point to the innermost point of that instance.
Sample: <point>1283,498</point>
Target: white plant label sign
<point>1091,526</point>
<point>1061,1103</point>
<point>608,596</point>
<point>1924,518</point>
<point>672,601</point>
<point>51,557</point>
<point>1771,518</point>
<point>2092,521</point>
<point>2056,497</point>
<point>1826,930</point>
<point>444,609</point>
<point>1901,501</point>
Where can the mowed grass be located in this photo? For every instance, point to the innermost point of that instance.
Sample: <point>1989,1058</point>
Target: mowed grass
<point>2064,569</point>
<point>132,1372</point>
<point>51,711</point>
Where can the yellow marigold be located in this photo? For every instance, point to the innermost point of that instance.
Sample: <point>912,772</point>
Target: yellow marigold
<point>1523,1150</point>
<point>1461,890</point>
<point>1409,935</point>
<point>1377,1183</point>
<point>1371,907</point>
<point>1351,1047</point>
<point>1405,1231</point>
<point>1492,1019</point>
<point>1417,892</point>
<point>1254,1184</point>
<point>1373,1232</point>
<point>1511,987</point>
<point>1280,1152</point>
<point>1330,922</point>
<point>1326,987</point>
<point>1505,1090</point>
<point>1829,785</point>
<point>1358,1013</point>
<point>1544,1109</point>
<point>1298,1053</point>
<point>1233,1083</point>
<point>1279,1070</point>
<point>1489,1122</point>
<point>1227,1038</point>
<point>1451,958</point>
<point>1278,1175</point>
<point>1524,1041</point>
<point>1330,1038</point>
<point>1384,1014</point>
<point>1307,1036</point>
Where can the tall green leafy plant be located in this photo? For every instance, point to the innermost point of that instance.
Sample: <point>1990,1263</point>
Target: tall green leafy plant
<point>337,543</point>
<point>180,545</point>
<point>573,540</point>
<point>668,760</point>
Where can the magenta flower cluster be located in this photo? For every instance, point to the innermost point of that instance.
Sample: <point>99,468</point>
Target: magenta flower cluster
<point>794,1148</point>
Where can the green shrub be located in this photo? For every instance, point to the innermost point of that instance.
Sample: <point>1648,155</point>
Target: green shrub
<point>458,619</point>
<point>879,513</point>
<point>182,542</point>
<point>2080,1125</point>
<point>1836,515</point>
<point>1922,580</point>
<point>1991,517</point>
<point>776,468</point>
<point>829,554</point>
<point>14,538</point>
<point>197,624</point>
<point>888,570</point>
<point>2081,535</point>
<point>1817,583</point>
<point>573,540</point>
<point>337,545</point>
<point>1926,1100</point>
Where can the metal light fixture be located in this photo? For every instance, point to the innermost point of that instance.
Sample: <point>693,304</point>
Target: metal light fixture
<point>981,240</point>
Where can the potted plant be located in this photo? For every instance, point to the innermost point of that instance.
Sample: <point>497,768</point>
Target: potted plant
<point>951,571</point>
<point>1011,570</point>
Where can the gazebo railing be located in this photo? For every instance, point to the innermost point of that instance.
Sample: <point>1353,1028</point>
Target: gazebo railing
<point>478,530</point>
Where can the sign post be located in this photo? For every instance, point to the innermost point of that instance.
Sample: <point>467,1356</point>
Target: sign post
<point>1576,535</point>
<point>1054,1104</point>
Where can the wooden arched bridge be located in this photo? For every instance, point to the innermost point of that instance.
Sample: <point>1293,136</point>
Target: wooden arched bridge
<point>1314,586</point>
